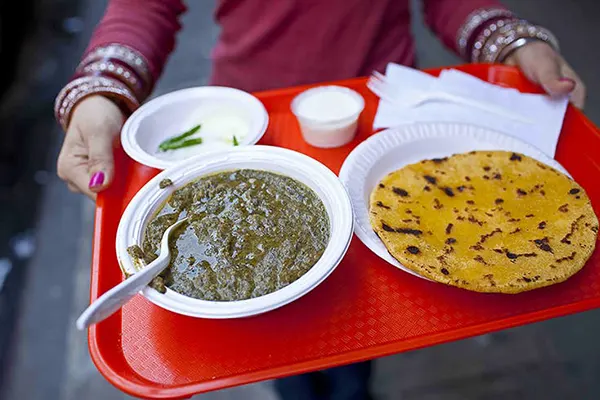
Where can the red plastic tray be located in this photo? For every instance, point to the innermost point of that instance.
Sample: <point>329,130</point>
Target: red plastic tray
<point>365,309</point>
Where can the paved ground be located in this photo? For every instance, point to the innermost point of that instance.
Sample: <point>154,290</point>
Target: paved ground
<point>557,359</point>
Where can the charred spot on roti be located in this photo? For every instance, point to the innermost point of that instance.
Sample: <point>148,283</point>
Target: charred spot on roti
<point>515,157</point>
<point>485,237</point>
<point>427,189</point>
<point>437,204</point>
<point>567,237</point>
<point>400,192</point>
<point>521,192</point>
<point>543,244</point>
<point>474,220</point>
<point>449,192</point>
<point>409,231</point>
<point>439,160</point>
<point>381,186</point>
<point>445,271</point>
<point>542,225</point>
<point>567,258</point>
<point>449,229</point>
<point>450,241</point>
<point>487,168</point>
<point>413,250</point>
<point>432,180</point>
<point>468,179</point>
<point>461,188</point>
<point>564,208</point>
<point>498,201</point>
<point>497,177</point>
<point>529,216</point>
<point>480,259</point>
<point>517,230</point>
<point>471,202</point>
<point>387,228</point>
<point>380,204</point>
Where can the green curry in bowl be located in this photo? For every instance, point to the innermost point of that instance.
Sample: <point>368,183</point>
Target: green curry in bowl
<point>251,233</point>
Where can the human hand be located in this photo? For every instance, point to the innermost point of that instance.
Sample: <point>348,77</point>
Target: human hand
<point>544,66</point>
<point>85,161</point>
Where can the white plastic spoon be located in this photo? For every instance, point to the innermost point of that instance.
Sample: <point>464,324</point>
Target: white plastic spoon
<point>118,296</point>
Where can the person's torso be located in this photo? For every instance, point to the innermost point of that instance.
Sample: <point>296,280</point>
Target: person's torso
<point>274,43</point>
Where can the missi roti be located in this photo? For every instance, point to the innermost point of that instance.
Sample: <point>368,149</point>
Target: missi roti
<point>496,222</point>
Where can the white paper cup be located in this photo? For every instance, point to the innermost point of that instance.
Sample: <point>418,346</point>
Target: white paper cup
<point>170,114</point>
<point>331,121</point>
<point>286,162</point>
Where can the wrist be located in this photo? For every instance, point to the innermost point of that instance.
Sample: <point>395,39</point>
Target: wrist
<point>492,35</point>
<point>83,87</point>
<point>511,37</point>
<point>114,71</point>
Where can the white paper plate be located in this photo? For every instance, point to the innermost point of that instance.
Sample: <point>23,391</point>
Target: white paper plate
<point>395,148</point>
<point>286,162</point>
<point>170,114</point>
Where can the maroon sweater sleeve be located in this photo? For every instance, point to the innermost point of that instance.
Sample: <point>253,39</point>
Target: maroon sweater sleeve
<point>148,26</point>
<point>446,17</point>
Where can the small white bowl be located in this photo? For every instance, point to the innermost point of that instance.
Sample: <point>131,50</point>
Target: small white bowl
<point>328,115</point>
<point>174,113</point>
<point>315,175</point>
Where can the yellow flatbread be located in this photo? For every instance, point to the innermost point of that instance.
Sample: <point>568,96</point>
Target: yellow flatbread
<point>496,221</point>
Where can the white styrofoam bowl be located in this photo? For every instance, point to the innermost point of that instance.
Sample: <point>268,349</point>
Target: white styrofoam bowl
<point>315,175</point>
<point>169,115</point>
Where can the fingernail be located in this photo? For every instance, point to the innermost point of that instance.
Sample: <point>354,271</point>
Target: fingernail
<point>97,179</point>
<point>567,80</point>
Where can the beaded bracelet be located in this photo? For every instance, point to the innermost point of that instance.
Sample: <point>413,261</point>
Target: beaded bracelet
<point>484,36</point>
<point>521,34</point>
<point>474,21</point>
<point>113,70</point>
<point>85,86</point>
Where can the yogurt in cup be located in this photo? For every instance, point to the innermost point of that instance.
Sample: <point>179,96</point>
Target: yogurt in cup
<point>328,115</point>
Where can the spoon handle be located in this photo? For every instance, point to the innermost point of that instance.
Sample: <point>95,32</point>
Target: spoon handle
<point>116,297</point>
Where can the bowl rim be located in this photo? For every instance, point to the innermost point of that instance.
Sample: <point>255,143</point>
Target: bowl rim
<point>132,124</point>
<point>315,175</point>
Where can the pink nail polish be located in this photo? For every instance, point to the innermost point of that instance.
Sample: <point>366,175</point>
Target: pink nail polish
<point>567,80</point>
<point>97,179</point>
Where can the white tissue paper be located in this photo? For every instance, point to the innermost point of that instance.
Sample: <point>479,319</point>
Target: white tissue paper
<point>545,113</point>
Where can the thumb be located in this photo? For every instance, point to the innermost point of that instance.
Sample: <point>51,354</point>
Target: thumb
<point>548,74</point>
<point>101,161</point>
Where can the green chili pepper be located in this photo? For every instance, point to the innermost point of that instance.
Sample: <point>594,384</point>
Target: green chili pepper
<point>170,142</point>
<point>181,144</point>
<point>235,141</point>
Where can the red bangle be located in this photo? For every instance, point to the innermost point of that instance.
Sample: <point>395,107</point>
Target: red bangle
<point>126,55</point>
<point>113,70</point>
<point>85,86</point>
